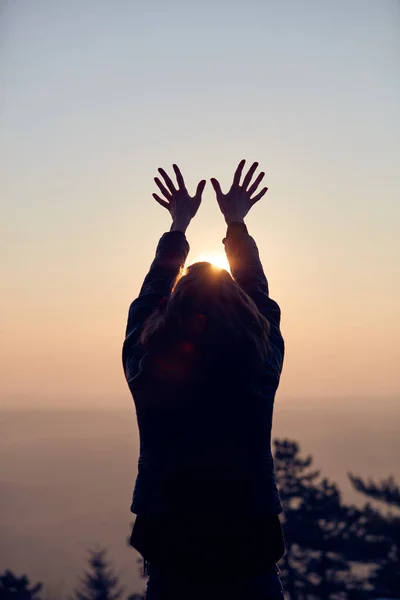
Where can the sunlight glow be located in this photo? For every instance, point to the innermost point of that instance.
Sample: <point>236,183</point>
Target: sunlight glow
<point>217,259</point>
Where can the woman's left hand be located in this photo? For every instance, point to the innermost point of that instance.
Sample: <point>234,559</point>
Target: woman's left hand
<point>181,206</point>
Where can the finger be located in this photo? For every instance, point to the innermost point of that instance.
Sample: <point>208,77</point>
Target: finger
<point>200,188</point>
<point>161,201</point>
<point>259,196</point>
<point>255,185</point>
<point>238,172</point>
<point>249,175</point>
<point>167,180</point>
<point>162,188</point>
<point>216,186</point>
<point>179,178</point>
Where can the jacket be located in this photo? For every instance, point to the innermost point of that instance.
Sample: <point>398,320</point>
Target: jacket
<point>206,448</point>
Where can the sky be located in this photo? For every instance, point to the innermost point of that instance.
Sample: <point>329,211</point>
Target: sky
<point>96,95</point>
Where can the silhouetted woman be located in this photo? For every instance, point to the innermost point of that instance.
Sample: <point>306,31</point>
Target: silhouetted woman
<point>203,356</point>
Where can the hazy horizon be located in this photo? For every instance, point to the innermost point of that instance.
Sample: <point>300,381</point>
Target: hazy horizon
<point>108,402</point>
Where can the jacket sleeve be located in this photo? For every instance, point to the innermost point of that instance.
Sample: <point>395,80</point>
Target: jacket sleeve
<point>171,254</point>
<point>246,269</point>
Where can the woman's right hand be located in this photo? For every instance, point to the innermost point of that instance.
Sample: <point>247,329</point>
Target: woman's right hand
<point>237,202</point>
<point>180,204</point>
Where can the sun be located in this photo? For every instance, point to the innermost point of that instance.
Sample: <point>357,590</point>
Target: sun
<point>217,259</point>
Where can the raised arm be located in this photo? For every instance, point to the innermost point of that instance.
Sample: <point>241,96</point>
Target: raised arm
<point>242,251</point>
<point>247,270</point>
<point>171,254</point>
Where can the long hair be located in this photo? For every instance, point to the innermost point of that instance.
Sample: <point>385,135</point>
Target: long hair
<point>211,320</point>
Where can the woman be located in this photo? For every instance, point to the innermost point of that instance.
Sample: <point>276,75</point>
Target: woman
<point>202,357</point>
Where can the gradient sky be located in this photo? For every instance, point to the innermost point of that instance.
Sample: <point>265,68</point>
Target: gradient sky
<point>96,95</point>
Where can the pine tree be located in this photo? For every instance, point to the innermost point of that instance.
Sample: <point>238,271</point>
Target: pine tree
<point>323,536</point>
<point>294,477</point>
<point>100,582</point>
<point>17,588</point>
<point>385,578</point>
<point>387,491</point>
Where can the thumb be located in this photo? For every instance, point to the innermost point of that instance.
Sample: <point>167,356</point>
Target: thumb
<point>216,186</point>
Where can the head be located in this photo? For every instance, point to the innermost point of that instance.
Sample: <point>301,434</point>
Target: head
<point>210,316</point>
